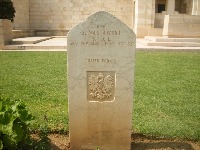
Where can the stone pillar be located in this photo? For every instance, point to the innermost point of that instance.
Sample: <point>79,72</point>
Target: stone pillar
<point>5,32</point>
<point>144,17</point>
<point>196,7</point>
<point>170,7</point>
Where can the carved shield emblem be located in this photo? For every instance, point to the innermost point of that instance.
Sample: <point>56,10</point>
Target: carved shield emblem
<point>101,86</point>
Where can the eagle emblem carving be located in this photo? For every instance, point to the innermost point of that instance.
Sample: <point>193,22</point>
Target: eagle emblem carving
<point>100,86</point>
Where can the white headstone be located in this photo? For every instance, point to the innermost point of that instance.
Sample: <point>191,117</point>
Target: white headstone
<point>101,53</point>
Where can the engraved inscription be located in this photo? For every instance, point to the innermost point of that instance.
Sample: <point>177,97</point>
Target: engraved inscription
<point>101,37</point>
<point>101,26</point>
<point>101,86</point>
<point>92,60</point>
<point>102,42</point>
<point>104,32</point>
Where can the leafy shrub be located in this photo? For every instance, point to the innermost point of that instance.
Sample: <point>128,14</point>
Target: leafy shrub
<point>7,10</point>
<point>14,122</point>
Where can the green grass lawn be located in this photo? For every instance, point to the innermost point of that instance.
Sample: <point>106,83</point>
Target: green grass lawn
<point>40,80</point>
<point>167,94</point>
<point>167,90</point>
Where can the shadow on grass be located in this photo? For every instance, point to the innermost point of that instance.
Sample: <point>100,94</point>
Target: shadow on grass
<point>142,142</point>
<point>160,145</point>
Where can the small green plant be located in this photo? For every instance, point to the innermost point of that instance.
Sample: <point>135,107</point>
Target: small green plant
<point>7,10</point>
<point>14,123</point>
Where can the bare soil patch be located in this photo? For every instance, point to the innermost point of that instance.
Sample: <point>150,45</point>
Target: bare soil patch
<point>139,142</point>
<point>142,142</point>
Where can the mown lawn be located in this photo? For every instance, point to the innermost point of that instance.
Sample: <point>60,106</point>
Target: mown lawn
<point>167,90</point>
<point>40,80</point>
<point>167,94</point>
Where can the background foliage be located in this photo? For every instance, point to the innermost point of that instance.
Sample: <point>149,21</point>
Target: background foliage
<point>7,10</point>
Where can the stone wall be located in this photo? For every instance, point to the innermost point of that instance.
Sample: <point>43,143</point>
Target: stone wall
<point>189,6</point>
<point>180,4</point>
<point>65,14</point>
<point>21,26</point>
<point>181,26</point>
<point>159,20</point>
<point>57,17</point>
<point>21,20</point>
<point>144,17</point>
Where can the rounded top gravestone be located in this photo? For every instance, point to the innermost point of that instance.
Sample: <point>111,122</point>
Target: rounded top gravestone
<point>101,53</point>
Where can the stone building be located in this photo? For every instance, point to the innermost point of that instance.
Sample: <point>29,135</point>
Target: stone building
<point>170,18</point>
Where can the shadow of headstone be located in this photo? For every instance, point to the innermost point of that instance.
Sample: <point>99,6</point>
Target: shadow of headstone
<point>142,142</point>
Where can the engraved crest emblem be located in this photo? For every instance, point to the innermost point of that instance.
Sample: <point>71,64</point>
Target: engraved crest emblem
<point>100,86</point>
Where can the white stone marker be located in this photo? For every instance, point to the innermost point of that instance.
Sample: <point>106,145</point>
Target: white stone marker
<point>101,53</point>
